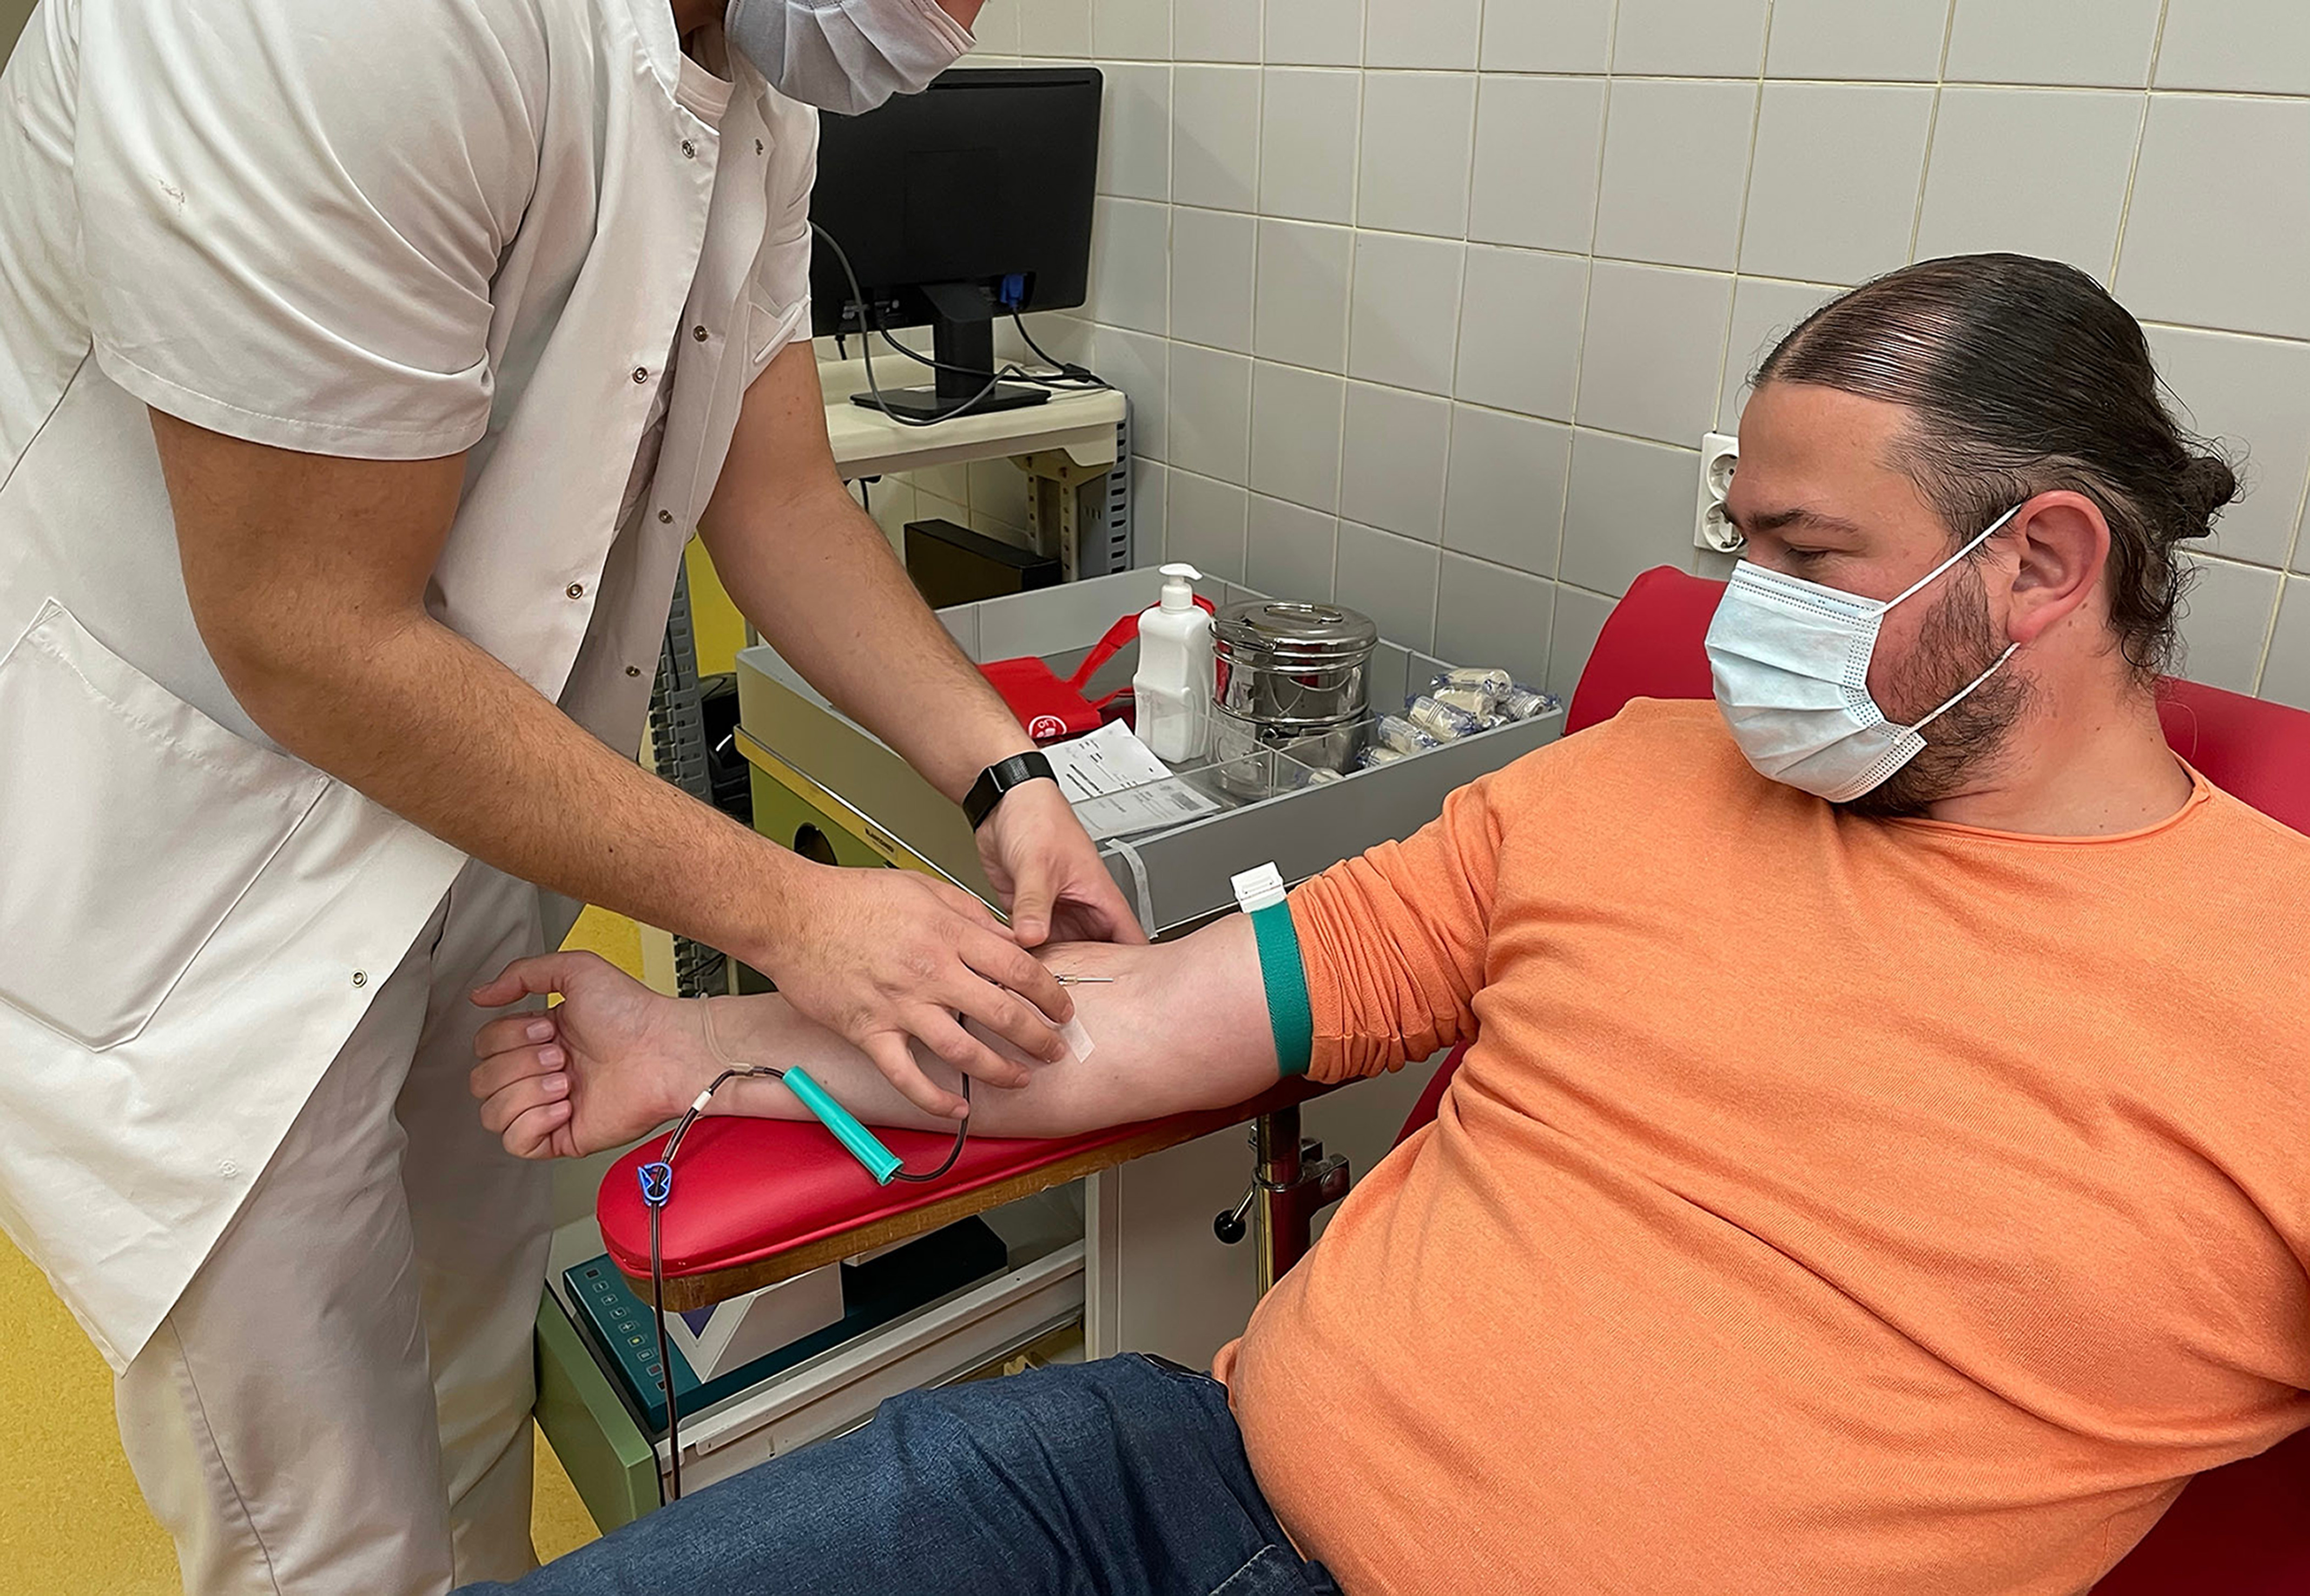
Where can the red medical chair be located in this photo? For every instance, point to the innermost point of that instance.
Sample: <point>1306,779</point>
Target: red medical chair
<point>2239,1531</point>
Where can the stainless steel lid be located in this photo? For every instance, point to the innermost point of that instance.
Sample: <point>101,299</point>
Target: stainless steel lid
<point>1284,634</point>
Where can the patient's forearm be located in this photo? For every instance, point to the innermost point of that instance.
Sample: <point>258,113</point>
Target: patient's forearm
<point>1182,1026</point>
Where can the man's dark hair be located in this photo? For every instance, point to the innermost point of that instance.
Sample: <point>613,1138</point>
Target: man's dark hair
<point>2023,375</point>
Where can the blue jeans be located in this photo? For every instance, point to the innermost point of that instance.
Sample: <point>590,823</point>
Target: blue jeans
<point>1121,1478</point>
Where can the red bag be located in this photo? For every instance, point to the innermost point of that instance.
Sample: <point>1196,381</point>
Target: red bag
<point>1053,710</point>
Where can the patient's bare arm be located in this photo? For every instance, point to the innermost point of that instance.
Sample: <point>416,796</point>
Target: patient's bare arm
<point>1181,1026</point>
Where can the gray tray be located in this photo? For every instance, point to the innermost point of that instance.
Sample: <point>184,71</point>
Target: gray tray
<point>791,732</point>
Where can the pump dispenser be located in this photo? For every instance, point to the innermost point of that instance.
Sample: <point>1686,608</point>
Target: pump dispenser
<point>1172,687</point>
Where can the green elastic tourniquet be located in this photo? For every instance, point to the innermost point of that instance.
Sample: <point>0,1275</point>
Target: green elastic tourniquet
<point>1285,977</point>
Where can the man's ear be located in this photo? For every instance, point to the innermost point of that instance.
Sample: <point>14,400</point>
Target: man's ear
<point>2062,541</point>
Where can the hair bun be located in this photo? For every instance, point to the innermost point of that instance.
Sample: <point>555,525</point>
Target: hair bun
<point>2208,483</point>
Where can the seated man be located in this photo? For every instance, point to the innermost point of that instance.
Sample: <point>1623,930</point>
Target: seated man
<point>1878,1164</point>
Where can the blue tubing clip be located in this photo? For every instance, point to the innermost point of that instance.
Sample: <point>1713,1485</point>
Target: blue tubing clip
<point>658,1182</point>
<point>880,1162</point>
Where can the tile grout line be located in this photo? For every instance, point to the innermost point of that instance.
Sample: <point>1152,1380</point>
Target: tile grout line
<point>1459,336</point>
<point>2141,142</point>
<point>1933,129</point>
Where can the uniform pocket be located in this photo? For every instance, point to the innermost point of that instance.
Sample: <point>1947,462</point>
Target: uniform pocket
<point>130,825</point>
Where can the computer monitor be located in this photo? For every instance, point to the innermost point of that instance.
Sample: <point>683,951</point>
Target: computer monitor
<point>968,201</point>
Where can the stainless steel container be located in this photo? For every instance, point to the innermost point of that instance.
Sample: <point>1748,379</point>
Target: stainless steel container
<point>1290,675</point>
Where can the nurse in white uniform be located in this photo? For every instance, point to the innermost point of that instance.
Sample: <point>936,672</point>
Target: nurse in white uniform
<point>363,368</point>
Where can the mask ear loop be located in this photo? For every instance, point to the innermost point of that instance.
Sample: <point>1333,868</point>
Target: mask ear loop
<point>1934,575</point>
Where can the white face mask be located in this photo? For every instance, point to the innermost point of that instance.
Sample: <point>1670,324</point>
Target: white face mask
<point>1790,659</point>
<point>846,56</point>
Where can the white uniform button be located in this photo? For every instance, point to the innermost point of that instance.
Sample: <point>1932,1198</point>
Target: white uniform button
<point>361,977</point>
<point>633,670</point>
<point>575,590</point>
<point>641,374</point>
<point>689,150</point>
<point>666,516</point>
<point>699,334</point>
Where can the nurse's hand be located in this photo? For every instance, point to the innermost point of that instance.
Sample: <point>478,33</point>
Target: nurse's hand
<point>613,1061</point>
<point>885,956</point>
<point>1047,871</point>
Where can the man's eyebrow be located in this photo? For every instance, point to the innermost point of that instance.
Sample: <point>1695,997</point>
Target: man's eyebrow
<point>1794,516</point>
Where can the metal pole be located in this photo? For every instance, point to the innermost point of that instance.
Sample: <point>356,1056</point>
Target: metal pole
<point>1281,1235</point>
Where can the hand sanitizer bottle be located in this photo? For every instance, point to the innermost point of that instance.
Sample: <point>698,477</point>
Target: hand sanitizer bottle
<point>1172,687</point>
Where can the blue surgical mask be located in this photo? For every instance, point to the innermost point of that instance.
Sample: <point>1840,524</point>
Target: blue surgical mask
<point>846,56</point>
<point>1790,659</point>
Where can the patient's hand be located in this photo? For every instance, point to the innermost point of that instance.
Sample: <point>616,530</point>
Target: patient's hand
<point>613,1061</point>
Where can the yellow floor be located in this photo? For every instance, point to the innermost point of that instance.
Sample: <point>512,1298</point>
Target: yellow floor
<point>71,1521</point>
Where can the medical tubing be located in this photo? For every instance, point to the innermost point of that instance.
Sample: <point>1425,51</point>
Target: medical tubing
<point>656,1180</point>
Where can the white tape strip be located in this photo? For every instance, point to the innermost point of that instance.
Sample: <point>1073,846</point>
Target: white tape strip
<point>1078,1040</point>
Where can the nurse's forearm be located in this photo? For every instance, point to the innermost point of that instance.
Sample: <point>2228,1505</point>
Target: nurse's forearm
<point>315,617</point>
<point>817,578</point>
<point>1183,1026</point>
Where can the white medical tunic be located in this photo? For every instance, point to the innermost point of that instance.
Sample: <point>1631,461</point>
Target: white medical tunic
<point>391,229</point>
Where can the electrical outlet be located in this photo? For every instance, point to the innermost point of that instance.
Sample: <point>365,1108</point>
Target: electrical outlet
<point>1720,451</point>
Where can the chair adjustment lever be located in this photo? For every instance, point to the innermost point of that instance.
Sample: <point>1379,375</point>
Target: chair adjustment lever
<point>1320,1182</point>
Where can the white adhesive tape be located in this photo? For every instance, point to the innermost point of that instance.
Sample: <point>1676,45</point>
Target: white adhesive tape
<point>1078,1040</point>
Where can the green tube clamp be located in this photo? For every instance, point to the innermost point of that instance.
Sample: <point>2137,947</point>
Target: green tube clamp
<point>880,1162</point>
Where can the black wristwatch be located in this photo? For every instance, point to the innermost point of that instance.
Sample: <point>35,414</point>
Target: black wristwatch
<point>999,778</point>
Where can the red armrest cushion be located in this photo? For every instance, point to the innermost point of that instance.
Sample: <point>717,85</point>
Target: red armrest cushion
<point>747,1189</point>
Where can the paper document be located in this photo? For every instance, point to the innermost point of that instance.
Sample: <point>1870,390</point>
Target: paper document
<point>1118,786</point>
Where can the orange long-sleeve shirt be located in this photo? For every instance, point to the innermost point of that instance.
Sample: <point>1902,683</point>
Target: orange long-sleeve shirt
<point>1826,1205</point>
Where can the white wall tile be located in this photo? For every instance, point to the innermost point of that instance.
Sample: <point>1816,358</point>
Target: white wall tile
<point>2219,233</point>
<point>1880,41</point>
<point>1215,137</point>
<point>1834,188</point>
<point>1150,485</point>
<point>2101,43</point>
<point>1676,160</point>
<point>1654,350</point>
<point>1297,418</point>
<point>1130,263</point>
<point>1054,28</point>
<point>2286,678</point>
<point>1212,254</point>
<point>1131,29</point>
<point>1403,315</point>
<point>1699,39</point>
<point>1392,472</point>
<point>1629,507</point>
<point>1140,364</point>
<point>1203,524</point>
<point>1492,618</point>
<point>1292,550</point>
<point>2238,45</point>
<point>1520,318</point>
<point>996,30</point>
<point>1764,310</point>
<point>1135,141</point>
<point>1580,617</point>
<point>1215,29</point>
<point>1418,130</point>
<point>2225,619</point>
<point>2302,542</point>
<point>1210,412</point>
<point>1536,156</point>
<point>1390,578</point>
<point>1314,32</point>
<point>1434,33</point>
<point>1301,310</point>
<point>1548,36</point>
<point>2253,394</point>
<point>1503,488</point>
<point>1307,143</point>
<point>2034,171</point>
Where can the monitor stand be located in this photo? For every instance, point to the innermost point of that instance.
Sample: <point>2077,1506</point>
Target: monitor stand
<point>962,335</point>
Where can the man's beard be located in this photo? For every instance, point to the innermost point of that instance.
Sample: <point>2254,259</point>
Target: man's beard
<point>1956,645</point>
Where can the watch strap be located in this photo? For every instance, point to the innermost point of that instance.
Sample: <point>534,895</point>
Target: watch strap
<point>999,778</point>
